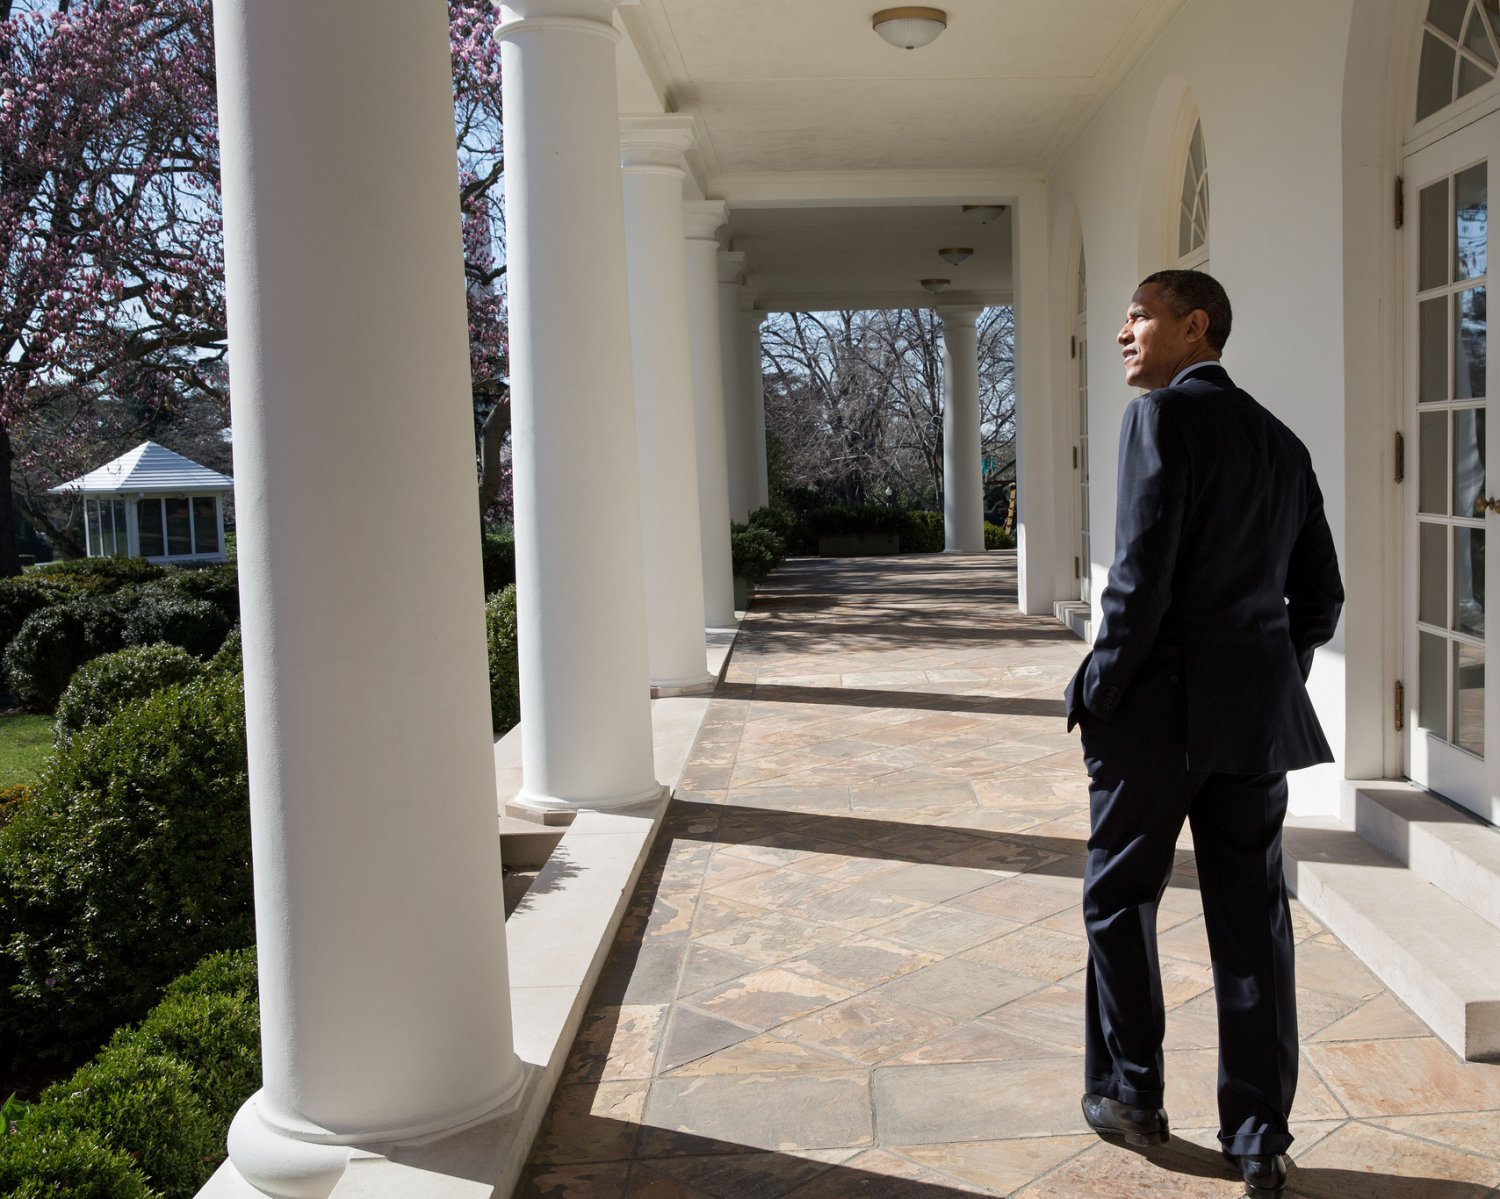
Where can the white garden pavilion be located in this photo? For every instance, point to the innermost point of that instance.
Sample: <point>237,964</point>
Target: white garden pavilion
<point>152,503</point>
<point>675,169</point>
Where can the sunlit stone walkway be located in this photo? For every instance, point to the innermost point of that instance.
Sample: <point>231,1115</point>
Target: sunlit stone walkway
<point>854,964</point>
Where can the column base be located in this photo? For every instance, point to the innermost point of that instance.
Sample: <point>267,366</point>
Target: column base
<point>295,1159</point>
<point>979,549</point>
<point>532,802</point>
<point>698,684</point>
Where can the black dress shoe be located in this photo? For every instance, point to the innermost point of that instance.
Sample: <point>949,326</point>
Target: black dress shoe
<point>1138,1126</point>
<point>1264,1173</point>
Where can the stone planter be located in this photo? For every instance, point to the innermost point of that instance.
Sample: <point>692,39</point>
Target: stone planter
<point>743,590</point>
<point>858,545</point>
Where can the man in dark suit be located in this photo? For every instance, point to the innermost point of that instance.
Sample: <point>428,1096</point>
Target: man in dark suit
<point>1193,706</point>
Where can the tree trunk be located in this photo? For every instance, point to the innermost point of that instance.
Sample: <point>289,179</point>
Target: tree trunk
<point>10,561</point>
<point>491,437</point>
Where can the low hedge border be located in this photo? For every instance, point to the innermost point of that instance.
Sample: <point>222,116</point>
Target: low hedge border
<point>148,1115</point>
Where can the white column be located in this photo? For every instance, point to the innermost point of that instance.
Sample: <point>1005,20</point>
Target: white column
<point>963,492</point>
<point>1037,528</point>
<point>651,150</point>
<point>383,991</point>
<point>580,584</point>
<point>753,404</point>
<point>731,279</point>
<point>703,220</point>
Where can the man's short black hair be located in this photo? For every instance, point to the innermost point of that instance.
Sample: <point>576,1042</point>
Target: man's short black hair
<point>1187,290</point>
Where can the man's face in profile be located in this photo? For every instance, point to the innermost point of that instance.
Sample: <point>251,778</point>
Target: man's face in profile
<point>1156,343</point>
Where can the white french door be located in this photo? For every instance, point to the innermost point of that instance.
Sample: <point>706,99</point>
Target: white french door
<point>1452,667</point>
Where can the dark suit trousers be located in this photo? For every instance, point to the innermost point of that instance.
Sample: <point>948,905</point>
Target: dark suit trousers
<point>1139,796</point>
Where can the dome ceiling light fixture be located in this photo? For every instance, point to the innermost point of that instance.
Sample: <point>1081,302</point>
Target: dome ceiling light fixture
<point>910,26</point>
<point>983,213</point>
<point>956,254</point>
<point>936,285</point>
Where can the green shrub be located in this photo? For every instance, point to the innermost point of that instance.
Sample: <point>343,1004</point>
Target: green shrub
<point>218,1034</point>
<point>755,551</point>
<point>499,552</point>
<point>997,537</point>
<point>54,642</point>
<point>57,1163</point>
<point>216,582</point>
<point>160,1095</point>
<point>20,597</point>
<point>131,862</point>
<point>778,518</point>
<point>11,799</point>
<point>923,533</point>
<point>844,520</point>
<point>505,670</point>
<point>198,626</point>
<point>102,687</point>
<point>102,575</point>
<point>230,659</point>
<point>139,1104</point>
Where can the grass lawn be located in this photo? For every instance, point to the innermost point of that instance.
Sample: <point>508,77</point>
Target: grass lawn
<point>25,746</point>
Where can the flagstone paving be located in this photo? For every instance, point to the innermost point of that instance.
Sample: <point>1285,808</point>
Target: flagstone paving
<point>854,962</point>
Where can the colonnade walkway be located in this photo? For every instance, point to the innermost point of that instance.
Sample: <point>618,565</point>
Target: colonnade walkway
<point>854,963</point>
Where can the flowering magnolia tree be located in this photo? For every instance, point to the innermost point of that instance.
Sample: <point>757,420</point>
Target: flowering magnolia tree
<point>111,236</point>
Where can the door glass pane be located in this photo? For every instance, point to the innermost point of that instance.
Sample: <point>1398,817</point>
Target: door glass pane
<point>1468,581</point>
<point>1435,76</point>
<point>1468,462</point>
<point>205,527</point>
<point>122,533</point>
<point>1471,214</point>
<point>149,513</point>
<point>1432,353</point>
<point>1477,39</point>
<point>91,519</point>
<point>1469,346</point>
<point>1468,697</point>
<point>1447,15</point>
<point>1432,244</point>
<point>1432,605</point>
<point>1432,435</point>
<point>1432,698</point>
<point>1471,76</point>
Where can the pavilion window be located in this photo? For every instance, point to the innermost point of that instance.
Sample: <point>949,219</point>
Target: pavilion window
<point>179,527</point>
<point>152,528</point>
<point>205,525</point>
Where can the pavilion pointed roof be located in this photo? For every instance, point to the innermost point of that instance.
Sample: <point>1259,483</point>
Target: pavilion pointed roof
<point>148,468</point>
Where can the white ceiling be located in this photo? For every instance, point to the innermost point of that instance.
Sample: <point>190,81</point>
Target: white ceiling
<point>845,159</point>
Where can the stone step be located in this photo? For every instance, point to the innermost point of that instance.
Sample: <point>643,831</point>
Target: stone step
<point>1436,841</point>
<point>527,843</point>
<point>1436,955</point>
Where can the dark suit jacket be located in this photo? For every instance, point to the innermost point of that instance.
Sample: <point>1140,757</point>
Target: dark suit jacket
<point>1224,581</point>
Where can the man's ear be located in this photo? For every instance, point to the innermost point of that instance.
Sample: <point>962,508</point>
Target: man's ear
<point>1197,325</point>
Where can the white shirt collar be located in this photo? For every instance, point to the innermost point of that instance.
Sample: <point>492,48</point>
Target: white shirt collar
<point>1188,370</point>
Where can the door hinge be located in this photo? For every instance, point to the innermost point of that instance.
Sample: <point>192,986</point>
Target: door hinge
<point>1073,347</point>
<point>1400,456</point>
<point>1077,568</point>
<point>1400,202</point>
<point>1400,706</point>
<point>1075,457</point>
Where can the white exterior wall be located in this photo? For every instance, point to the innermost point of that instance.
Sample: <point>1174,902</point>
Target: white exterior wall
<point>1257,75</point>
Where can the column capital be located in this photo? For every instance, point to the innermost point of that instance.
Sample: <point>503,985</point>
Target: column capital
<point>581,16</point>
<point>960,317</point>
<point>732,266</point>
<point>655,143</point>
<point>703,219</point>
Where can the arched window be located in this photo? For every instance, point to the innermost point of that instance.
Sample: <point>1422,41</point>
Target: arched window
<point>1460,52</point>
<point>1192,208</point>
